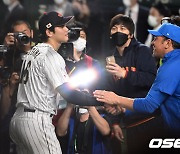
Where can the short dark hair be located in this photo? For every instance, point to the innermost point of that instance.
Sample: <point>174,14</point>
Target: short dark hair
<point>162,9</point>
<point>124,20</point>
<point>19,22</point>
<point>43,37</point>
<point>175,44</point>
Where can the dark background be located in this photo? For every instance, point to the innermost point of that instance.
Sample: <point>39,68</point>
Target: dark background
<point>99,20</point>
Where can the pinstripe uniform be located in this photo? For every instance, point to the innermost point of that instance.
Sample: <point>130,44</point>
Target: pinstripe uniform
<point>31,127</point>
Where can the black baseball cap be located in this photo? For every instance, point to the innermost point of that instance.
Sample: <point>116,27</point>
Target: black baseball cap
<point>52,19</point>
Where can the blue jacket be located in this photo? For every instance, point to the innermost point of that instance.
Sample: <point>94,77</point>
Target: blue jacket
<point>165,92</point>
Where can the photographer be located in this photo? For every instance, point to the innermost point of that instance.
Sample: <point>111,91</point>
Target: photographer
<point>18,42</point>
<point>86,129</point>
<point>14,11</point>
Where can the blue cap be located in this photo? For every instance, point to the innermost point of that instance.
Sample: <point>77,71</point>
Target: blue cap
<point>168,30</point>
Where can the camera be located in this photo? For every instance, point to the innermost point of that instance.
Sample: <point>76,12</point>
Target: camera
<point>66,50</point>
<point>3,48</point>
<point>4,74</point>
<point>22,38</point>
<point>74,34</point>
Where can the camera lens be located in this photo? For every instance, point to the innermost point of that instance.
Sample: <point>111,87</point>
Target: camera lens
<point>22,38</point>
<point>74,34</point>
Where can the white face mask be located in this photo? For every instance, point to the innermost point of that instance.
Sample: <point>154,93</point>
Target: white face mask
<point>7,2</point>
<point>58,1</point>
<point>79,44</point>
<point>82,110</point>
<point>127,3</point>
<point>152,21</point>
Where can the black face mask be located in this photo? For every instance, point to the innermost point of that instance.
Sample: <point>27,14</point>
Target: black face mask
<point>119,39</point>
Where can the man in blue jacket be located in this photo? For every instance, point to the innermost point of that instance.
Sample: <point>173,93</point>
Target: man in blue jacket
<point>165,91</point>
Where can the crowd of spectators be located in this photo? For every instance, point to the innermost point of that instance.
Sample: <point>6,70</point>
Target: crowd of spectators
<point>131,76</point>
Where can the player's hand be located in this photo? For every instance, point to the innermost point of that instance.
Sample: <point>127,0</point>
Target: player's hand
<point>9,39</point>
<point>117,132</point>
<point>110,109</point>
<point>116,70</point>
<point>70,106</point>
<point>90,108</point>
<point>114,109</point>
<point>106,96</point>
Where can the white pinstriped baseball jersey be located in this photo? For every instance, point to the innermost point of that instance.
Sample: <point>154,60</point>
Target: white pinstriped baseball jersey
<point>42,72</point>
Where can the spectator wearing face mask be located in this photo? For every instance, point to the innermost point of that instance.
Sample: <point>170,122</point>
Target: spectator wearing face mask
<point>133,73</point>
<point>139,15</point>
<point>87,128</point>
<point>156,13</point>
<point>80,55</point>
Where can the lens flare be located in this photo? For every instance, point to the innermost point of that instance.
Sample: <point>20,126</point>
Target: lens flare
<point>83,78</point>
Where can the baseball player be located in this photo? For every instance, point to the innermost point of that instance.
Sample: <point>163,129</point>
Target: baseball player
<point>43,75</point>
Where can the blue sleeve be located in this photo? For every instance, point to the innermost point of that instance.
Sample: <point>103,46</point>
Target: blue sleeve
<point>151,102</point>
<point>128,112</point>
<point>168,78</point>
<point>164,85</point>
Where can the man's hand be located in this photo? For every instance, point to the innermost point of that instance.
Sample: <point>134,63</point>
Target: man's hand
<point>9,39</point>
<point>117,132</point>
<point>106,96</point>
<point>116,70</point>
<point>114,109</point>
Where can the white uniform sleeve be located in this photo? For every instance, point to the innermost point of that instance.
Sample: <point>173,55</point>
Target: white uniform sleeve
<point>54,67</point>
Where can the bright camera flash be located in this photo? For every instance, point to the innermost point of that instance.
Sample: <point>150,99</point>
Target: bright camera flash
<point>83,78</point>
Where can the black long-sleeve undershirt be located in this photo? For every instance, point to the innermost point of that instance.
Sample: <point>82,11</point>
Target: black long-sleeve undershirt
<point>77,97</point>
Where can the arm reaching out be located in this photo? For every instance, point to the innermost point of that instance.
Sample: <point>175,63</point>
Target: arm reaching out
<point>77,97</point>
<point>112,99</point>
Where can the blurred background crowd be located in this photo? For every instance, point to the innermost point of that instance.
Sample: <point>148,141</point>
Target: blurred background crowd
<point>93,16</point>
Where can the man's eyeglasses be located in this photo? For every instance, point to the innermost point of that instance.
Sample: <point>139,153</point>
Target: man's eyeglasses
<point>173,20</point>
<point>166,20</point>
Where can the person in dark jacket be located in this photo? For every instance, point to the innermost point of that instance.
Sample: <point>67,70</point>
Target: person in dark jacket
<point>135,67</point>
<point>132,73</point>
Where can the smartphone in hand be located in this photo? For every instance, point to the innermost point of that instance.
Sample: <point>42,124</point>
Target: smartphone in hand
<point>110,59</point>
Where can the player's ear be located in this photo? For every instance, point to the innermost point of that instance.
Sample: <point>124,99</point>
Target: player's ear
<point>49,33</point>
